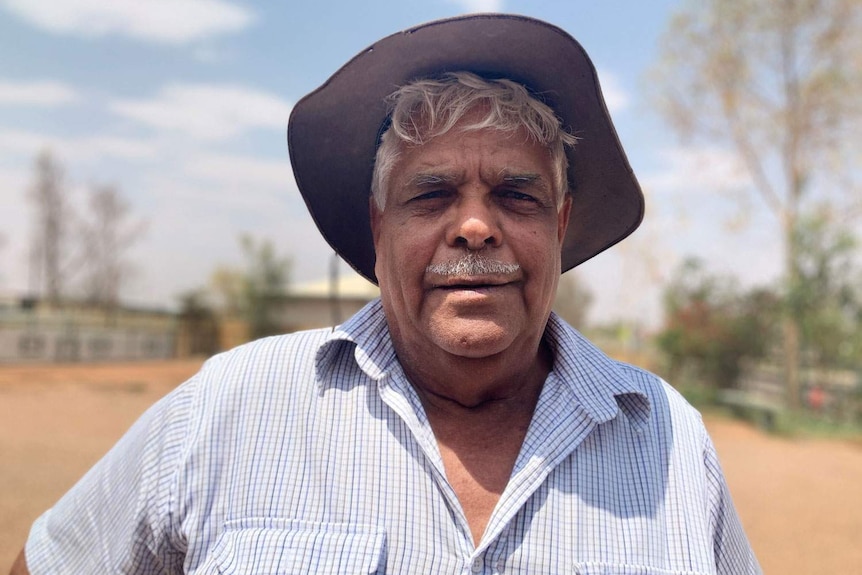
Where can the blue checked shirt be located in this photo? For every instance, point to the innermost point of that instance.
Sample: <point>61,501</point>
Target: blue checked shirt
<point>311,453</point>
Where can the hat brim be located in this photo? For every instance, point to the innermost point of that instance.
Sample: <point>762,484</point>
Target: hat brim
<point>332,133</point>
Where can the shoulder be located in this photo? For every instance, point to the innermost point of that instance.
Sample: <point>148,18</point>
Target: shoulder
<point>255,372</point>
<point>264,359</point>
<point>278,350</point>
<point>660,391</point>
<point>599,377</point>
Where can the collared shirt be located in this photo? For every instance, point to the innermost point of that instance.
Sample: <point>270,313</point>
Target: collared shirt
<point>311,453</point>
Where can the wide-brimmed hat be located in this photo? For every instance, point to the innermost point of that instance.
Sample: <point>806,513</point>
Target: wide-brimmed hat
<point>333,132</point>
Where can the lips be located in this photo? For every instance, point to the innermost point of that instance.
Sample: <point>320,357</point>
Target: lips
<point>470,283</point>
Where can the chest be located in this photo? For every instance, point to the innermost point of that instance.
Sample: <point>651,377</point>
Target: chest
<point>478,465</point>
<point>344,492</point>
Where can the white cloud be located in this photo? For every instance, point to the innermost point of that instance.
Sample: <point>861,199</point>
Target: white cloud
<point>28,144</point>
<point>212,55</point>
<point>238,171</point>
<point>114,147</point>
<point>615,96</point>
<point>158,21</point>
<point>195,224</point>
<point>39,93</point>
<point>479,5</point>
<point>697,171</point>
<point>13,183</point>
<point>14,229</point>
<point>207,112</point>
<point>25,143</point>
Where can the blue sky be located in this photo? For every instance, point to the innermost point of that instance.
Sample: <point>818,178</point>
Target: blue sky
<point>183,105</point>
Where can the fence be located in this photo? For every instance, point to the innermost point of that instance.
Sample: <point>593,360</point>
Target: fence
<point>71,334</point>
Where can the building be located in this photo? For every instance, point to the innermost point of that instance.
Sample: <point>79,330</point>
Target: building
<point>322,303</point>
<point>33,331</point>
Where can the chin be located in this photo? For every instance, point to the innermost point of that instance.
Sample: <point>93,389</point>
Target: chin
<point>473,341</point>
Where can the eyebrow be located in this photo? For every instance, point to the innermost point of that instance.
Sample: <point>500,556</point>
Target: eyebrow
<point>517,180</point>
<point>522,180</point>
<point>526,180</point>
<point>425,180</point>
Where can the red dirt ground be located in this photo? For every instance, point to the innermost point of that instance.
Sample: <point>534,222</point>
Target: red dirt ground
<point>800,501</point>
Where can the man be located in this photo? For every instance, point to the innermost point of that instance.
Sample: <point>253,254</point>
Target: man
<point>455,425</point>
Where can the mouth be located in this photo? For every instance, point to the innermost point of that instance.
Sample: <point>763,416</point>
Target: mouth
<point>474,284</point>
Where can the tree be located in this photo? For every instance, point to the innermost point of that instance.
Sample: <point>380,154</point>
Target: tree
<point>53,217</point>
<point>781,83</point>
<point>711,325</point>
<point>251,292</point>
<point>198,330</point>
<point>827,297</point>
<point>107,233</point>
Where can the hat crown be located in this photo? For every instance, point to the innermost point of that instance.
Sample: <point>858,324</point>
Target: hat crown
<point>333,131</point>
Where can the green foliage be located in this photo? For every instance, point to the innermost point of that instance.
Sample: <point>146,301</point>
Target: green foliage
<point>252,291</point>
<point>711,326</point>
<point>826,297</point>
<point>198,320</point>
<point>808,425</point>
<point>779,84</point>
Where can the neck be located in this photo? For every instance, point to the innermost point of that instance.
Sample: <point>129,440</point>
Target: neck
<point>472,386</point>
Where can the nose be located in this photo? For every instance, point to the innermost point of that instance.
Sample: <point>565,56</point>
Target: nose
<point>475,226</point>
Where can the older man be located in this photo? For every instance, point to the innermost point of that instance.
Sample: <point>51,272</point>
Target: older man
<point>456,425</point>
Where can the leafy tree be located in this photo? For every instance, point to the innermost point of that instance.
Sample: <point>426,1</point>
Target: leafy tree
<point>251,291</point>
<point>827,295</point>
<point>228,285</point>
<point>198,323</point>
<point>711,326</point>
<point>780,82</point>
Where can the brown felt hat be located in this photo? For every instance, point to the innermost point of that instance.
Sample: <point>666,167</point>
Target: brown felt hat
<point>333,132</point>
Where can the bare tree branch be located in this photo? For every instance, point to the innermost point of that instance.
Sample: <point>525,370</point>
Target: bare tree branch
<point>780,83</point>
<point>107,233</point>
<point>51,225</point>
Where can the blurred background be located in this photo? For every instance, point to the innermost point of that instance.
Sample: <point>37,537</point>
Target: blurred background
<point>148,214</point>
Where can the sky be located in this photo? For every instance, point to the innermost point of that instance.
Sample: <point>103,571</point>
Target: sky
<point>183,106</point>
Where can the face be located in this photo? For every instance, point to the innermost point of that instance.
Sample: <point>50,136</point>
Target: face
<point>481,193</point>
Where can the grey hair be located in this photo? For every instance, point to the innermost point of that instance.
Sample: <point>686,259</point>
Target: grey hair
<point>425,109</point>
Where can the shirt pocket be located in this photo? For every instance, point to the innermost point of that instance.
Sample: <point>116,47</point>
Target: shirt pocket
<point>266,546</point>
<point>621,569</point>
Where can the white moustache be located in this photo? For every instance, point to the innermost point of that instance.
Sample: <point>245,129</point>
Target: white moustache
<point>472,264</point>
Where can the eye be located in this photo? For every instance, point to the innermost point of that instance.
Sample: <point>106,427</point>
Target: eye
<point>429,195</point>
<point>515,195</point>
<point>428,201</point>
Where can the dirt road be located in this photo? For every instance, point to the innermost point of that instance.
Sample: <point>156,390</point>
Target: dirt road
<point>800,501</point>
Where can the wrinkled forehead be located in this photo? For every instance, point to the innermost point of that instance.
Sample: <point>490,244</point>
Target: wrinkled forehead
<point>475,124</point>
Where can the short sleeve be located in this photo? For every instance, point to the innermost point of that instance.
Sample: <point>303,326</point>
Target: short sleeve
<point>118,517</point>
<point>733,553</point>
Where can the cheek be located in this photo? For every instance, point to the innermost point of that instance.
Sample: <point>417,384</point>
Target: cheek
<point>401,262</point>
<point>414,246</point>
<point>540,256</point>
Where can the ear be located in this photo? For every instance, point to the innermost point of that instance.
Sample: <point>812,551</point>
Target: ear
<point>563,218</point>
<point>374,214</point>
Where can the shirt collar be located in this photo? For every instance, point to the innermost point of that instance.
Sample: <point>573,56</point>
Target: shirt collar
<point>372,347</point>
<point>601,385</point>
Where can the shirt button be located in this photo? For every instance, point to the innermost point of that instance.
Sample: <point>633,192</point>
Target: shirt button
<point>477,565</point>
